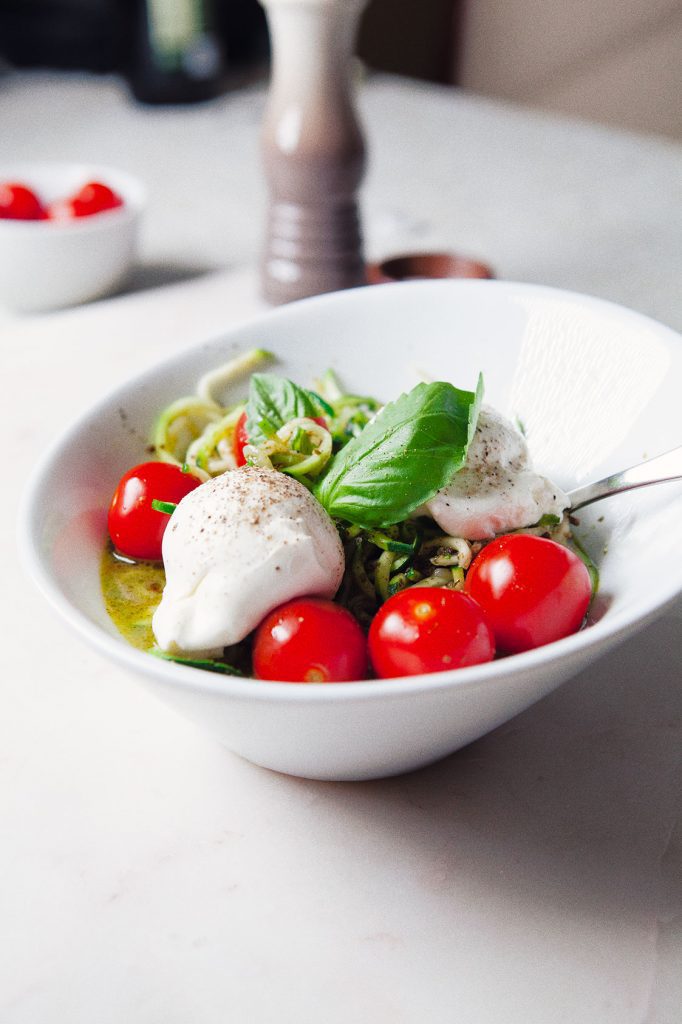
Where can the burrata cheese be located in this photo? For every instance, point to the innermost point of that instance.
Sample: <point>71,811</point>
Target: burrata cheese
<point>237,547</point>
<point>497,489</point>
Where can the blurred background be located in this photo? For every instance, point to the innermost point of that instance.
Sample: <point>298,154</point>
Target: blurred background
<point>617,62</point>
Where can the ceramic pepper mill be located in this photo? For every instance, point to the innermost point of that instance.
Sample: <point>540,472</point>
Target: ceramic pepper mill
<point>313,149</point>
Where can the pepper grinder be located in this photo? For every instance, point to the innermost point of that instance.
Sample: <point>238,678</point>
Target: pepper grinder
<point>313,151</point>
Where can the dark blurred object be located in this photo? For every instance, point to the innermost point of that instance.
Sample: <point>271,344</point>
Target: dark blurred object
<point>409,38</point>
<point>114,36</point>
<point>399,36</point>
<point>176,53</point>
<point>185,51</point>
<point>88,34</point>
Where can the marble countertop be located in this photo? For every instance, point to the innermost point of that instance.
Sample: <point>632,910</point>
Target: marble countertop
<point>148,876</point>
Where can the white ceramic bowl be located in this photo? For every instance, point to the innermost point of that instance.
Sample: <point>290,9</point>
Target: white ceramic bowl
<point>46,265</point>
<point>597,388</point>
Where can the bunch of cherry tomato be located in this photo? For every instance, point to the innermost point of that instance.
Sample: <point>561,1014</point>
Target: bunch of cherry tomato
<point>520,592</point>
<point>19,202</point>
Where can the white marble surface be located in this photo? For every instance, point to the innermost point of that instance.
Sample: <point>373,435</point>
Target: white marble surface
<point>149,877</point>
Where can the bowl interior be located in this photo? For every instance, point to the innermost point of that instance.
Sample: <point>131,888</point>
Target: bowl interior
<point>595,386</point>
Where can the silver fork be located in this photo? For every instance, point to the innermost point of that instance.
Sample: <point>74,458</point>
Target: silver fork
<point>654,471</point>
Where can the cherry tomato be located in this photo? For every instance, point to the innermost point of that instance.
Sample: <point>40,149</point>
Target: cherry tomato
<point>91,198</point>
<point>428,629</point>
<point>241,437</point>
<point>310,640</point>
<point>532,590</point>
<point>17,202</point>
<point>239,440</point>
<point>136,528</point>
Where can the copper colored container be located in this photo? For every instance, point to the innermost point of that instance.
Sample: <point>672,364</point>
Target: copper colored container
<point>424,265</point>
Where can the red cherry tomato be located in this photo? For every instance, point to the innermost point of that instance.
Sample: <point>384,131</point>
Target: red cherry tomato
<point>428,629</point>
<point>241,437</point>
<point>17,202</point>
<point>310,640</point>
<point>136,528</point>
<point>532,590</point>
<point>239,440</point>
<point>90,199</point>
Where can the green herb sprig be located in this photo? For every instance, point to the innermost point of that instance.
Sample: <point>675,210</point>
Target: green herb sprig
<point>273,401</point>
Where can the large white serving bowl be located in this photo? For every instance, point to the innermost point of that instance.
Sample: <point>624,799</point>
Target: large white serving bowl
<point>50,264</point>
<point>597,388</point>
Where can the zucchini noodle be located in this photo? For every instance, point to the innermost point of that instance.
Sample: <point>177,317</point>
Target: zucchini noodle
<point>198,432</point>
<point>349,413</point>
<point>300,448</point>
<point>451,551</point>
<point>229,372</point>
<point>382,573</point>
<point>211,453</point>
<point>179,425</point>
<point>414,553</point>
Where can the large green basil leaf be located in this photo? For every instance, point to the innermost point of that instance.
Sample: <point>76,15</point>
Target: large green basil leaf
<point>272,402</point>
<point>409,451</point>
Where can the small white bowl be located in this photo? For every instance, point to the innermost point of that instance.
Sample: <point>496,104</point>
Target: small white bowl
<point>597,388</point>
<point>46,265</point>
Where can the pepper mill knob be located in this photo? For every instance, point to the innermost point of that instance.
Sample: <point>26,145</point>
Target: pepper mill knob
<point>313,151</point>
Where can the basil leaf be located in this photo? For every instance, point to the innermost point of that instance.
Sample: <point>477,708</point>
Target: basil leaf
<point>589,564</point>
<point>549,519</point>
<point>409,451</point>
<point>275,400</point>
<point>208,664</point>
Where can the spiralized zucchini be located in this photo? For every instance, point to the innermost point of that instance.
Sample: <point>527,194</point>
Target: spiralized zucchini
<point>300,448</point>
<point>224,376</point>
<point>414,553</point>
<point>349,414</point>
<point>197,431</point>
<point>180,425</point>
<point>211,453</point>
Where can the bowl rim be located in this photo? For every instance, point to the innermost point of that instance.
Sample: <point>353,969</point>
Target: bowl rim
<point>133,190</point>
<point>593,640</point>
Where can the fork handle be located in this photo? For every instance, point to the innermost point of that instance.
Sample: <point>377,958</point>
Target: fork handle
<point>654,471</point>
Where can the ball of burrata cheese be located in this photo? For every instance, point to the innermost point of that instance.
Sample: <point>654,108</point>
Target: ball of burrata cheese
<point>497,489</point>
<point>237,547</point>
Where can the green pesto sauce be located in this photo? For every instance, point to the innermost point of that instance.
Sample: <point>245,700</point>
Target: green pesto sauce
<point>131,591</point>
